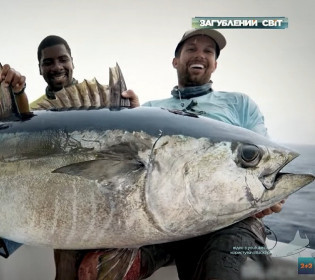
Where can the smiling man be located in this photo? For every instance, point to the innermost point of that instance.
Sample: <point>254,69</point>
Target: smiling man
<point>55,63</point>
<point>195,61</point>
<point>192,69</point>
<point>56,66</point>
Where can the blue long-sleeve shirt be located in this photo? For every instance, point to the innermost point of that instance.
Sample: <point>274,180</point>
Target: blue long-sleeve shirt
<point>230,107</point>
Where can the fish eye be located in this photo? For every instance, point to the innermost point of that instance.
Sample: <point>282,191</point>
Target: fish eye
<point>249,155</point>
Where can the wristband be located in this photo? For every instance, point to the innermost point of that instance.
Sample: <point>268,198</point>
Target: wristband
<point>21,91</point>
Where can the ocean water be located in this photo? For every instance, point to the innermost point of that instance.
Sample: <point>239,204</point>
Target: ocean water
<point>298,213</point>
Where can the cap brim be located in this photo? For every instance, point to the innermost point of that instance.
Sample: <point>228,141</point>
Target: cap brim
<point>213,34</point>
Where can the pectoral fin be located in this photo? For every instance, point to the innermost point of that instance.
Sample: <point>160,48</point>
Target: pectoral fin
<point>119,163</point>
<point>102,169</point>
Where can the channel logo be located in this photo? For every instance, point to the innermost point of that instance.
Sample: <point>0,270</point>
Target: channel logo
<point>306,265</point>
<point>240,22</point>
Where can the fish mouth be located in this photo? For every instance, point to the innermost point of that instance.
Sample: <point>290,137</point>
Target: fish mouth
<point>279,177</point>
<point>279,185</point>
<point>269,178</point>
<point>286,184</point>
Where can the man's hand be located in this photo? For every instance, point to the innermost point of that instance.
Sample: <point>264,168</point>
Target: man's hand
<point>12,78</point>
<point>273,209</point>
<point>133,98</point>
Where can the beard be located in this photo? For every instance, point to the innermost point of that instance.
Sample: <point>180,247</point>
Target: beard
<point>188,78</point>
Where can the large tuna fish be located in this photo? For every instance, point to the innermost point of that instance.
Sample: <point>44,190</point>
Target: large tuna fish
<point>107,178</point>
<point>124,178</point>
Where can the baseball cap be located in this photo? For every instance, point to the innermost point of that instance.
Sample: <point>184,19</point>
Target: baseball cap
<point>215,35</point>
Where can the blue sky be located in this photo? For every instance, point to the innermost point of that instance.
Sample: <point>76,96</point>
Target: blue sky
<point>274,67</point>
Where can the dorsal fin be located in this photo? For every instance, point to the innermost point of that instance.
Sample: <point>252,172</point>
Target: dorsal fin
<point>86,94</point>
<point>90,94</point>
<point>117,85</point>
